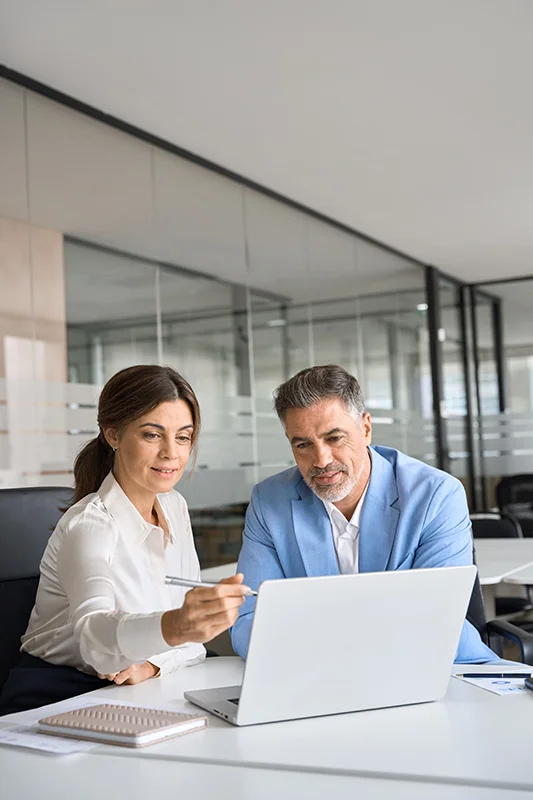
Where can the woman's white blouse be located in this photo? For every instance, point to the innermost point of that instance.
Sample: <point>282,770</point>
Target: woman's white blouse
<point>102,589</point>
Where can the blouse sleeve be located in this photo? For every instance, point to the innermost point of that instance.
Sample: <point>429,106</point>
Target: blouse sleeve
<point>191,653</point>
<point>109,639</point>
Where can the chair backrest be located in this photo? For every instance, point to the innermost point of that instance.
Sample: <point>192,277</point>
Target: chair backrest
<point>476,609</point>
<point>492,525</point>
<point>514,492</point>
<point>27,518</point>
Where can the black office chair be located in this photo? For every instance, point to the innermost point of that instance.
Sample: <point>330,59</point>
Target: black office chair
<point>514,495</point>
<point>494,631</point>
<point>27,518</point>
<point>493,525</point>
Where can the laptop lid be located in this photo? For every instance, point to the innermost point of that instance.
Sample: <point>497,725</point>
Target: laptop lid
<point>335,644</point>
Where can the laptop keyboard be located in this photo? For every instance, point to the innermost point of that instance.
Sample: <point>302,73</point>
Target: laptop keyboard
<point>235,700</point>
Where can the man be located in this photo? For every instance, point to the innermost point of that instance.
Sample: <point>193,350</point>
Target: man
<point>347,507</point>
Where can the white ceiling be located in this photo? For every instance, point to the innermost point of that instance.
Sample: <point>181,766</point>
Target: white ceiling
<point>410,121</point>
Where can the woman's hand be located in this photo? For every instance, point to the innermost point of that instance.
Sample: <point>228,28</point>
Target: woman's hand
<point>134,674</point>
<point>205,612</point>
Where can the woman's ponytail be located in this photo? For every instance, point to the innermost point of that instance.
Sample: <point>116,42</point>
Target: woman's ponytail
<point>92,465</point>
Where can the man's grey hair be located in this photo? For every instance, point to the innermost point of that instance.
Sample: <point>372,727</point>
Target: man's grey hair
<point>320,383</point>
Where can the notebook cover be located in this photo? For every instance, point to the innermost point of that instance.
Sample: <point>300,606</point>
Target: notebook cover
<point>129,722</point>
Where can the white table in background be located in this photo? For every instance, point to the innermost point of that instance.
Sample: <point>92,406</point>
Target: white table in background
<point>472,737</point>
<point>523,577</point>
<point>215,574</point>
<point>497,560</point>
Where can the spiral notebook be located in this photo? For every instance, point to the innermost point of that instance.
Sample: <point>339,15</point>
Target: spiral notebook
<point>129,726</point>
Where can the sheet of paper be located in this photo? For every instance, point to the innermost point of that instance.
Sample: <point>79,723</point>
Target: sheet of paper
<point>24,736</point>
<point>498,685</point>
<point>31,717</point>
<point>499,665</point>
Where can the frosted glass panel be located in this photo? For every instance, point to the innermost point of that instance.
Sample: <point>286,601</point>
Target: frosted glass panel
<point>111,312</point>
<point>43,426</point>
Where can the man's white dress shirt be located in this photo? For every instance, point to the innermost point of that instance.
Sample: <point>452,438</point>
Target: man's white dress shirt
<point>346,535</point>
<point>102,589</point>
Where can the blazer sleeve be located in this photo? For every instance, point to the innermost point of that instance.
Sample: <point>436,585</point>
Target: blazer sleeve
<point>446,541</point>
<point>258,561</point>
<point>446,538</point>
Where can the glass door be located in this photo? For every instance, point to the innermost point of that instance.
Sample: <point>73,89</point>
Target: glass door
<point>451,375</point>
<point>493,426</point>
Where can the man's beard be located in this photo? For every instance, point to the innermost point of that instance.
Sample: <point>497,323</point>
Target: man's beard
<point>337,491</point>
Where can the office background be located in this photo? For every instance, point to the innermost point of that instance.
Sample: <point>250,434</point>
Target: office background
<point>118,248</point>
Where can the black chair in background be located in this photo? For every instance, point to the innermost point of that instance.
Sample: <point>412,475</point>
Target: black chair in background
<point>495,525</point>
<point>494,631</point>
<point>514,495</point>
<point>492,525</point>
<point>27,518</point>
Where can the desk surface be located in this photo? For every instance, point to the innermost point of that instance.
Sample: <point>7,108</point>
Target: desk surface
<point>472,737</point>
<point>498,558</point>
<point>26,774</point>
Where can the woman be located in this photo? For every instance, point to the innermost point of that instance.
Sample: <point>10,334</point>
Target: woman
<point>103,611</point>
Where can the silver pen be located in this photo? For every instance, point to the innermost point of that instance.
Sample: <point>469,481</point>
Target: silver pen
<point>170,579</point>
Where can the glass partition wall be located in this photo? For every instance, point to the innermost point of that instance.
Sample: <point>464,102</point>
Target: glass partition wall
<point>504,367</point>
<point>118,251</point>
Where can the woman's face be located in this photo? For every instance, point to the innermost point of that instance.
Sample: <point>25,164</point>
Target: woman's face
<point>152,452</point>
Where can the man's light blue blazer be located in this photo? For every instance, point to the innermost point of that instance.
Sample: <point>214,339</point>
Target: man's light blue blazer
<point>413,516</point>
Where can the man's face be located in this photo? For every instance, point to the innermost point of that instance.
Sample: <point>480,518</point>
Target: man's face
<point>329,446</point>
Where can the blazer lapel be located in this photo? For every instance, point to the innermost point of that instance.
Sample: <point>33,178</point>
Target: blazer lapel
<point>312,529</point>
<point>379,518</point>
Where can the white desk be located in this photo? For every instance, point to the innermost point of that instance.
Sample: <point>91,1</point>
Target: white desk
<point>523,577</point>
<point>473,737</point>
<point>30,775</point>
<point>497,560</point>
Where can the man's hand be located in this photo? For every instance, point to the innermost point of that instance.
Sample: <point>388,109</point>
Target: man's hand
<point>134,674</point>
<point>205,612</point>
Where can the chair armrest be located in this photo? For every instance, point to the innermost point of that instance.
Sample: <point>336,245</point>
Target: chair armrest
<point>512,633</point>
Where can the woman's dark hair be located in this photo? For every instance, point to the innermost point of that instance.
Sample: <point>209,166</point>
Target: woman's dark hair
<point>128,395</point>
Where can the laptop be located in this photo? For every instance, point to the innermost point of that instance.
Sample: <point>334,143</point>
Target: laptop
<point>342,643</point>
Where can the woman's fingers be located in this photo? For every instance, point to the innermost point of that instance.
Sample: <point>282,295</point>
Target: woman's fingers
<point>218,592</point>
<point>206,612</point>
<point>212,600</point>
<point>216,606</point>
<point>212,626</point>
<point>136,673</point>
<point>122,677</point>
<point>132,674</point>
